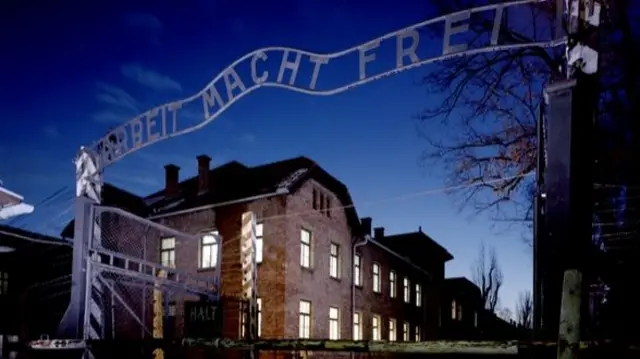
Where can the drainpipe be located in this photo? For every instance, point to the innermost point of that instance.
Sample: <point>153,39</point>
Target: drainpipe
<point>356,245</point>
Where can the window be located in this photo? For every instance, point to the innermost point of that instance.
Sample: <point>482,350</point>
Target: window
<point>453,309</point>
<point>357,275</point>
<point>328,207</point>
<point>168,252</point>
<point>376,277</point>
<point>208,251</point>
<point>304,329</point>
<point>259,242</point>
<point>456,310</point>
<point>334,269</point>
<point>315,199</point>
<point>375,327</point>
<point>357,326</point>
<point>475,319</point>
<point>259,317</point>
<point>418,295</point>
<point>243,323</point>
<point>334,323</point>
<point>321,203</point>
<point>407,296</point>
<point>392,284</point>
<point>305,248</point>
<point>405,331</point>
<point>418,333</point>
<point>393,335</point>
<point>4,283</point>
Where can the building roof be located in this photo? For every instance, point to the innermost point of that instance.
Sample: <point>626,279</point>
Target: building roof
<point>20,239</point>
<point>460,285</point>
<point>412,244</point>
<point>232,182</point>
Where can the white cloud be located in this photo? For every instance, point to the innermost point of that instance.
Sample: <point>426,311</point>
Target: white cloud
<point>150,78</point>
<point>117,97</point>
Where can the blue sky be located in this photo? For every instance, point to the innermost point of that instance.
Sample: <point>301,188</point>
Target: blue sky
<point>74,72</point>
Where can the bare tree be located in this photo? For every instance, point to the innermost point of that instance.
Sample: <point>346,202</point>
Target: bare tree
<point>487,275</point>
<point>484,128</point>
<point>505,314</point>
<point>524,309</point>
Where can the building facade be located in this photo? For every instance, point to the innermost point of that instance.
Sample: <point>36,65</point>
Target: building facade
<point>322,271</point>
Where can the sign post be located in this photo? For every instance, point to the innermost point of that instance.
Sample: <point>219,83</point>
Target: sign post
<point>571,106</point>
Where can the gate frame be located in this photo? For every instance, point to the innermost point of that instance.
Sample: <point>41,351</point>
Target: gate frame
<point>92,161</point>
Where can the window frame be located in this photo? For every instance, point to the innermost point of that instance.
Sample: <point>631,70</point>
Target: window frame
<point>406,329</point>
<point>376,321</point>
<point>4,282</point>
<point>259,243</point>
<point>334,260</point>
<point>392,334</point>
<point>393,281</point>
<point>357,326</point>
<point>214,250</point>
<point>304,320</point>
<point>376,268</point>
<point>406,290</point>
<point>306,261</point>
<point>334,322</point>
<point>171,252</point>
<point>357,269</point>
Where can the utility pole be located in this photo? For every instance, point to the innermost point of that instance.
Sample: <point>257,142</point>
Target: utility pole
<point>570,106</point>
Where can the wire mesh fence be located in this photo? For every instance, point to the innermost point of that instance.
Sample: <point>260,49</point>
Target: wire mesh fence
<point>135,266</point>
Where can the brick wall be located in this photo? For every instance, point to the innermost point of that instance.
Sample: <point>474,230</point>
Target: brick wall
<point>283,283</point>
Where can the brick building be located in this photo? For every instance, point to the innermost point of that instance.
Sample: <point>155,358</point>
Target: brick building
<point>308,230</point>
<point>309,279</point>
<point>34,284</point>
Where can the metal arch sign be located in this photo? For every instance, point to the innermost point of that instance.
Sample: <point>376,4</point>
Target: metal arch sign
<point>227,87</point>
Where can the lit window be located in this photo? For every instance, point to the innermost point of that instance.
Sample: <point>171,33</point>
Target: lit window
<point>376,277</point>
<point>357,275</point>
<point>208,251</point>
<point>418,295</point>
<point>393,335</point>
<point>259,242</point>
<point>334,269</point>
<point>475,319</point>
<point>4,283</point>
<point>168,252</point>
<point>453,309</point>
<point>392,284</point>
<point>334,323</point>
<point>418,338</point>
<point>305,248</point>
<point>304,330</point>
<point>375,327</point>
<point>405,331</point>
<point>357,326</point>
<point>407,296</point>
<point>259,317</point>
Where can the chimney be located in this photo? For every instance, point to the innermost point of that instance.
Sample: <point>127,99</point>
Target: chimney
<point>171,179</point>
<point>378,233</point>
<point>203,172</point>
<point>365,225</point>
